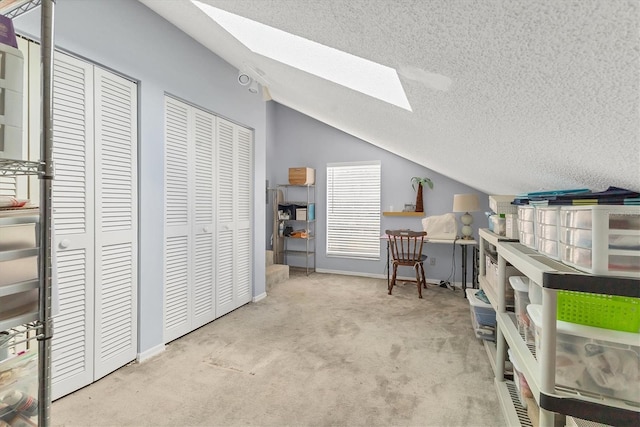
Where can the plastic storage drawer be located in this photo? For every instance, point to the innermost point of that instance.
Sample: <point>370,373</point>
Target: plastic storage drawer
<point>520,285</point>
<point>601,239</point>
<point>594,360</point>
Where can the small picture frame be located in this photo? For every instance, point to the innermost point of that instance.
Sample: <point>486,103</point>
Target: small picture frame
<point>408,207</point>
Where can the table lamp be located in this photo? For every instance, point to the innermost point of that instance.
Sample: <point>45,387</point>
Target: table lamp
<point>466,203</point>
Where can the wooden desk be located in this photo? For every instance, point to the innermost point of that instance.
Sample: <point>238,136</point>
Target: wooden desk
<point>463,246</point>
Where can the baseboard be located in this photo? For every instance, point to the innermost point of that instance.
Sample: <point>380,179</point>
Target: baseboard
<point>259,297</point>
<point>351,273</point>
<point>148,354</point>
<point>381,276</point>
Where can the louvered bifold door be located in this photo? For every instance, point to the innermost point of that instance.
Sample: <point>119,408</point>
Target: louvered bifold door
<point>244,210</point>
<point>203,262</point>
<point>225,172</point>
<point>177,245</point>
<point>234,208</point>
<point>73,213</point>
<point>116,244</point>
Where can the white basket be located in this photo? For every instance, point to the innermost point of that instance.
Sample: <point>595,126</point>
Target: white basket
<point>502,204</point>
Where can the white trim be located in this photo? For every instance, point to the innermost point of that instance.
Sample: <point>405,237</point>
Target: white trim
<point>148,354</point>
<point>259,297</point>
<point>383,276</point>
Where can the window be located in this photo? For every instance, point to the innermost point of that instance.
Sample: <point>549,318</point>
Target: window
<point>353,210</point>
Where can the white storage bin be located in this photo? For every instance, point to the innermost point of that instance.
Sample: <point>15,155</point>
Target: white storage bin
<point>502,204</point>
<point>547,214</point>
<point>528,240</point>
<point>526,213</point>
<point>548,247</point>
<point>535,292</point>
<point>520,381</point>
<point>614,235</point>
<point>612,217</point>
<point>491,274</point>
<point>18,236</point>
<point>527,226</point>
<point>593,360</point>
<point>582,238</point>
<point>511,221</point>
<point>18,270</point>
<point>11,66</point>
<point>520,285</point>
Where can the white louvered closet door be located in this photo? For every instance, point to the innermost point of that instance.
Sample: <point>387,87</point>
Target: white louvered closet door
<point>177,245</point>
<point>115,342</point>
<point>234,190</point>
<point>203,288</point>
<point>189,280</point>
<point>73,214</point>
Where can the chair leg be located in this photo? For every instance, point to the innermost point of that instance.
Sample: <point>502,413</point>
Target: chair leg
<point>424,277</point>
<point>418,281</point>
<point>393,278</point>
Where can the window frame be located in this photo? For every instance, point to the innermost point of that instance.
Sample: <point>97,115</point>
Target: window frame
<point>347,236</point>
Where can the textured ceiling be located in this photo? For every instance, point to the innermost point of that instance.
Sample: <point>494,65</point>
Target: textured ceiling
<point>544,94</point>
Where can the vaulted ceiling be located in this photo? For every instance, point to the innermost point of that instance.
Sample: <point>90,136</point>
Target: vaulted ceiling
<point>543,94</point>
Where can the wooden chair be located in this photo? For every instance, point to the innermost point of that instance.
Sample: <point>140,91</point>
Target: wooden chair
<point>406,251</point>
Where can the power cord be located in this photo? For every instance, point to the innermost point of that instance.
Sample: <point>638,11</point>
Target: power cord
<point>452,274</point>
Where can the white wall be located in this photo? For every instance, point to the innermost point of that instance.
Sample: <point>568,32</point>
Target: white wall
<point>129,38</point>
<point>300,140</point>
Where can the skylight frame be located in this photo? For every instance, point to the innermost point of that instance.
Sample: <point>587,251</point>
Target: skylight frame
<point>351,71</point>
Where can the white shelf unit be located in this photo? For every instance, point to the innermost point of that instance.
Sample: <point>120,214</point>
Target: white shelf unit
<point>23,329</point>
<point>539,370</point>
<point>293,246</point>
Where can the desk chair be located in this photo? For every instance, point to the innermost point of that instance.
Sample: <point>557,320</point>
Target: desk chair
<point>406,251</point>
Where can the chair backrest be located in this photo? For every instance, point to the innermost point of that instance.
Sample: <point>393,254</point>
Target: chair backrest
<point>406,245</point>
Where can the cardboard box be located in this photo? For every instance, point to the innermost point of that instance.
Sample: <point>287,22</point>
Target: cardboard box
<point>302,176</point>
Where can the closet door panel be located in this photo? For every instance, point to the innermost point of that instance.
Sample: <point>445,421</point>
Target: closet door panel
<point>226,236</point>
<point>203,289</point>
<point>73,213</point>
<point>116,222</point>
<point>244,211</point>
<point>177,248</point>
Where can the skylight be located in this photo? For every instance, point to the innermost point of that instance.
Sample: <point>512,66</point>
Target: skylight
<point>348,70</point>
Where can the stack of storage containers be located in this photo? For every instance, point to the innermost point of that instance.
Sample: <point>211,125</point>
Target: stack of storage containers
<point>503,221</point>
<point>547,230</point>
<point>601,239</point>
<point>11,95</point>
<point>527,226</point>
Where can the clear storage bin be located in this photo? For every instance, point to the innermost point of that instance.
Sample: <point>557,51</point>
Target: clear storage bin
<point>526,213</point>
<point>520,285</point>
<point>483,316</point>
<point>548,247</point>
<point>601,239</point>
<point>547,214</point>
<point>593,360</point>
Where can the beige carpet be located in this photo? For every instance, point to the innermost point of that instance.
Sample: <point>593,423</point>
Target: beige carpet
<point>318,351</point>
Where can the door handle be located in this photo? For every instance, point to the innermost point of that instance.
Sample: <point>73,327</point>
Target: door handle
<point>64,244</point>
<point>206,229</point>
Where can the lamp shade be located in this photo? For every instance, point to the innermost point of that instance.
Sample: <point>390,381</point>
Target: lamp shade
<point>465,203</point>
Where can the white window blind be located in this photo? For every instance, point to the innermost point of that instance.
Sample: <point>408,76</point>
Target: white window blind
<point>353,209</point>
